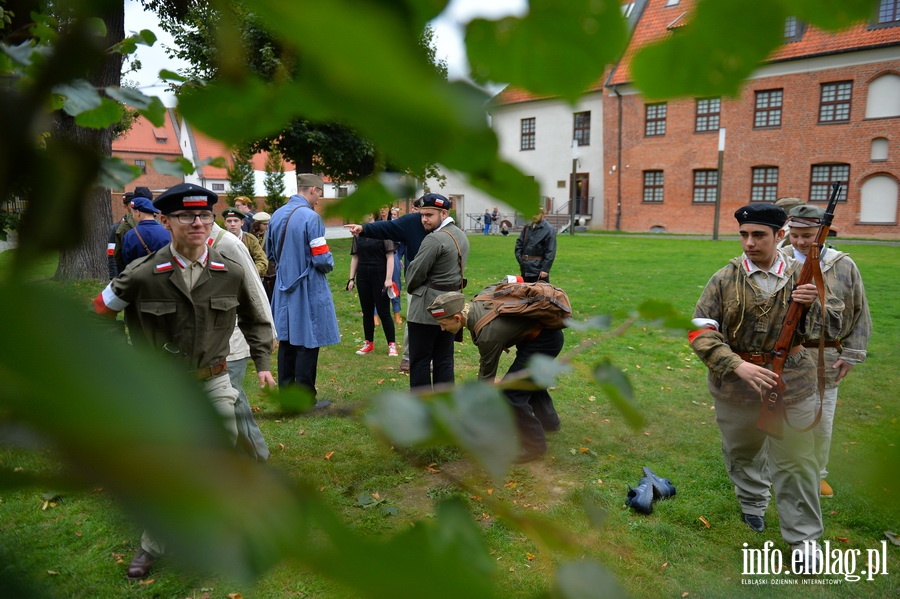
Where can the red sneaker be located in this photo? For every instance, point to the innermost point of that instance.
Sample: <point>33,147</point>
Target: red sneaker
<point>392,350</point>
<point>368,347</point>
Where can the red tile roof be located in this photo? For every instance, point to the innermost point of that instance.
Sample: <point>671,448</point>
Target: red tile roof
<point>207,147</point>
<point>657,18</point>
<point>144,138</point>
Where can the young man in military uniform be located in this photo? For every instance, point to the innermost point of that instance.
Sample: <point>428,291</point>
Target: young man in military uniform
<point>533,408</point>
<point>234,220</point>
<point>183,300</point>
<point>847,336</point>
<point>437,268</point>
<point>739,318</point>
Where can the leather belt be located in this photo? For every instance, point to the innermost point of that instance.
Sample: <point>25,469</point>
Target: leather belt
<point>532,257</point>
<point>211,370</point>
<point>764,357</point>
<point>445,287</point>
<point>836,343</point>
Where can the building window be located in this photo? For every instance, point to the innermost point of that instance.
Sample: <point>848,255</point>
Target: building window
<point>879,149</point>
<point>527,134</point>
<point>764,185</point>
<point>823,175</point>
<point>889,12</point>
<point>583,128</point>
<point>653,186</point>
<point>141,164</point>
<point>342,191</point>
<point>708,115</point>
<point>656,119</point>
<point>793,29</point>
<point>834,102</point>
<point>705,184</point>
<point>218,187</point>
<point>768,108</point>
<point>883,97</point>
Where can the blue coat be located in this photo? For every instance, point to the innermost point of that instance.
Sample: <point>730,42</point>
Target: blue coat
<point>154,234</point>
<point>301,303</point>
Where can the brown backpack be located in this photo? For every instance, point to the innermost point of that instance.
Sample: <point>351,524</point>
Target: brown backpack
<point>539,301</point>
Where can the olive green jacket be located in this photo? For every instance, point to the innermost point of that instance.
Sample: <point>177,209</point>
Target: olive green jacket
<point>436,263</point>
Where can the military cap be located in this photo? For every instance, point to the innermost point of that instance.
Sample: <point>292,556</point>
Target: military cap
<point>143,192</point>
<point>233,213</point>
<point>143,205</point>
<point>434,200</point>
<point>447,304</point>
<point>185,196</point>
<point>310,180</point>
<point>787,203</point>
<point>806,216</point>
<point>761,213</point>
<point>262,217</point>
<point>127,197</point>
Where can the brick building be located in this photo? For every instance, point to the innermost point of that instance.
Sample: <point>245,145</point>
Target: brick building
<point>824,108</point>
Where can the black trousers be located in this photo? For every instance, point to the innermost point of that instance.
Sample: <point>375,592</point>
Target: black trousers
<point>430,355</point>
<point>370,285</point>
<point>297,366</point>
<point>534,410</point>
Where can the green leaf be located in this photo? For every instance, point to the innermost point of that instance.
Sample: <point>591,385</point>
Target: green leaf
<point>177,167</point>
<point>146,37</point>
<point>617,388</point>
<point>403,418</point>
<point>832,14</point>
<point>720,46</point>
<point>294,399</point>
<point>150,107</point>
<point>666,314</point>
<point>96,25</point>
<point>21,54</point>
<point>481,421</point>
<point>370,195</point>
<point>166,74</point>
<point>108,113</point>
<point>545,370</point>
<point>388,510</point>
<point>116,174</point>
<point>558,48</point>
<point>456,535</point>
<point>586,579</point>
<point>217,161</point>
<point>80,96</point>
<point>599,321</point>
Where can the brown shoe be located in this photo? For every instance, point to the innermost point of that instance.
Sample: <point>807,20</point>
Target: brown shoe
<point>140,565</point>
<point>404,365</point>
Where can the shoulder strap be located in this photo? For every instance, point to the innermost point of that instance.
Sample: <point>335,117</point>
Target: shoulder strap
<point>141,239</point>
<point>462,270</point>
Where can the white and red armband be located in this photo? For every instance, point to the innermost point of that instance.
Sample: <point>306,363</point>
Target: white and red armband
<point>703,325</point>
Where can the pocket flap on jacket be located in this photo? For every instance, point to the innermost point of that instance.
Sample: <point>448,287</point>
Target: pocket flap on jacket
<point>223,302</point>
<point>158,307</point>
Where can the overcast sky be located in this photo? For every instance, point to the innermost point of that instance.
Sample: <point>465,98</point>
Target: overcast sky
<point>448,29</point>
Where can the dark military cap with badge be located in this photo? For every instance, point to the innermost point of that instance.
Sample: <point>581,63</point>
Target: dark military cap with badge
<point>447,304</point>
<point>185,196</point>
<point>434,200</point>
<point>761,213</point>
<point>231,212</point>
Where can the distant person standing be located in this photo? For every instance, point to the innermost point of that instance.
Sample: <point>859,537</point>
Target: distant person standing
<point>536,249</point>
<point>302,305</point>
<point>487,222</point>
<point>111,266</point>
<point>371,274</point>
<point>233,222</point>
<point>847,337</point>
<point>147,236</point>
<point>245,206</point>
<point>127,224</point>
<point>495,220</point>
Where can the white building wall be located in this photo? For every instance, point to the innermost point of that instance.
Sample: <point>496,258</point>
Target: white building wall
<point>550,163</point>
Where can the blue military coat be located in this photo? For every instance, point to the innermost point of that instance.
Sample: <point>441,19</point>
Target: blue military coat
<point>301,303</point>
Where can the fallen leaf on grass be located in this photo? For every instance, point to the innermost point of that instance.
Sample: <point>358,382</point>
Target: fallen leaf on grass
<point>529,556</point>
<point>255,409</point>
<point>592,398</point>
<point>704,520</point>
<point>235,596</point>
<point>664,566</point>
<point>380,381</point>
<point>52,573</point>
<point>146,582</point>
<point>892,537</point>
<point>511,569</point>
<point>490,491</point>
<point>475,498</point>
<point>281,446</point>
<point>376,495</point>
<point>430,468</point>
<point>843,539</point>
<point>328,455</point>
<point>683,595</point>
<point>302,431</point>
<point>511,485</point>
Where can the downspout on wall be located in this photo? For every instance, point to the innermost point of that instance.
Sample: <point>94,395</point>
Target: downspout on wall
<point>615,89</point>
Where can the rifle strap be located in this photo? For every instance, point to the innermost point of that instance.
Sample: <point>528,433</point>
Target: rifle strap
<point>820,366</point>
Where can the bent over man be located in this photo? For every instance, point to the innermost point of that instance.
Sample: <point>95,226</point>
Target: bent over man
<point>533,408</point>
<point>183,300</point>
<point>739,318</point>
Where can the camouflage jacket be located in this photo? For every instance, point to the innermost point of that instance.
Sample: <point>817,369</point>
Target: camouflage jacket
<point>748,320</point>
<point>848,311</point>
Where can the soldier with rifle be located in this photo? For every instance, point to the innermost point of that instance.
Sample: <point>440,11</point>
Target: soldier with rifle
<point>738,319</point>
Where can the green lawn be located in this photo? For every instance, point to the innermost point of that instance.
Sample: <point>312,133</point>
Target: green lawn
<point>689,547</point>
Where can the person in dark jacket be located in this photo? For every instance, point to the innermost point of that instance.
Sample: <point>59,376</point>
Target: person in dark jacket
<point>536,249</point>
<point>148,234</point>
<point>111,264</point>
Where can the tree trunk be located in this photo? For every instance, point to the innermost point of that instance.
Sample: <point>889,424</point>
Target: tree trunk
<point>87,260</point>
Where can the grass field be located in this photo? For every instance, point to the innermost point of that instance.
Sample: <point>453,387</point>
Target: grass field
<point>689,547</point>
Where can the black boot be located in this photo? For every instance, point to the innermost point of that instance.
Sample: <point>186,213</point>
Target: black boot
<point>662,487</point>
<point>640,498</point>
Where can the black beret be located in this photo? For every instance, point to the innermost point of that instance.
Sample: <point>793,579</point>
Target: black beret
<point>761,213</point>
<point>143,192</point>
<point>185,196</point>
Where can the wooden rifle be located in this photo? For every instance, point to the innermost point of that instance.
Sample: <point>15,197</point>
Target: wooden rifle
<point>771,413</point>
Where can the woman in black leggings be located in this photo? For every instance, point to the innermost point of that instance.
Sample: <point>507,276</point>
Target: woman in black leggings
<point>371,272</point>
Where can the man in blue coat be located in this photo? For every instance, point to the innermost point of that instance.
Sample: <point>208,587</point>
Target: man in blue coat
<point>148,234</point>
<point>301,303</point>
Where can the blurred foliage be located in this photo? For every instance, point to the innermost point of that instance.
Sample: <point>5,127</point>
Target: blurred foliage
<point>218,510</point>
